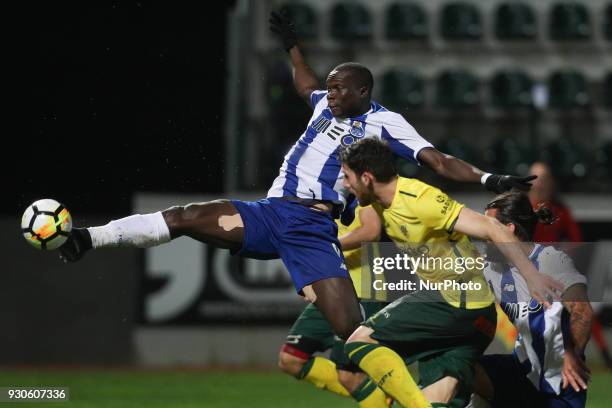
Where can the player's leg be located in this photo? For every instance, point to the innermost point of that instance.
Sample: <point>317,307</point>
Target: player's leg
<point>310,250</point>
<point>384,366</point>
<point>442,391</point>
<point>337,301</point>
<point>216,222</point>
<point>500,380</point>
<point>309,334</point>
<point>448,375</point>
<point>362,388</point>
<point>446,378</point>
<point>483,385</point>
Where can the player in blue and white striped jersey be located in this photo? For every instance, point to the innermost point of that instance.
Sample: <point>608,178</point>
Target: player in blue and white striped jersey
<point>547,367</point>
<point>296,221</point>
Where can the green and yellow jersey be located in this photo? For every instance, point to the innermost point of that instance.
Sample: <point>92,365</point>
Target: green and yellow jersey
<point>419,217</point>
<point>362,278</point>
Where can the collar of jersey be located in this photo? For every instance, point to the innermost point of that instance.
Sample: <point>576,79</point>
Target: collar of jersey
<point>397,187</point>
<point>360,118</point>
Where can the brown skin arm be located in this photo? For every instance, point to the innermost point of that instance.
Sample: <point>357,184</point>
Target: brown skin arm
<point>575,373</point>
<point>369,231</point>
<point>541,286</point>
<point>304,79</point>
<point>449,166</point>
<point>576,301</point>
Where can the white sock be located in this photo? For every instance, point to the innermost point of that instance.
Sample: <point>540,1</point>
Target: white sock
<point>141,231</point>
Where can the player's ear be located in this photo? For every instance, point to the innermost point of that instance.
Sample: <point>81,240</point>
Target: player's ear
<point>364,91</point>
<point>512,227</point>
<point>367,178</point>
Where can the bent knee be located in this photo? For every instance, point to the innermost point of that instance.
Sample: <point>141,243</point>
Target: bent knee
<point>174,217</point>
<point>443,390</point>
<point>289,364</point>
<point>181,219</point>
<point>362,334</point>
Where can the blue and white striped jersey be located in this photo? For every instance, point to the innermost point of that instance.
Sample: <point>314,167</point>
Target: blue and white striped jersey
<point>312,170</point>
<point>539,346</point>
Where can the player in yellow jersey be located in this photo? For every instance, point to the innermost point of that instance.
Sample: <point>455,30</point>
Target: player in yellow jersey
<point>312,333</point>
<point>446,331</point>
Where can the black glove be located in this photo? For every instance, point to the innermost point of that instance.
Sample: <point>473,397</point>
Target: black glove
<point>281,24</point>
<point>499,183</point>
<point>77,244</point>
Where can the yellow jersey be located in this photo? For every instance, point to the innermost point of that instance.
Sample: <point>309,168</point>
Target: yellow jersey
<point>421,220</point>
<point>362,278</point>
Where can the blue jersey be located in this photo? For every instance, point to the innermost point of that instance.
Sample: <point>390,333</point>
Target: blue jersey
<point>539,346</point>
<point>312,170</point>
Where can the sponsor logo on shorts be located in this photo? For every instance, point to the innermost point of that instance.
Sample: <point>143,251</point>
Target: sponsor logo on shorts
<point>293,338</point>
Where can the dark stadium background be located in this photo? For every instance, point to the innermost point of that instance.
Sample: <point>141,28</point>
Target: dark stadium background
<point>122,96</point>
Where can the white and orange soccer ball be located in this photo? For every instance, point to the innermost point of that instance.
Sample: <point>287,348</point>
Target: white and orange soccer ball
<point>46,224</point>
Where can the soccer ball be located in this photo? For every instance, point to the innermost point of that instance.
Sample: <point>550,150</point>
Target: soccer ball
<point>46,224</point>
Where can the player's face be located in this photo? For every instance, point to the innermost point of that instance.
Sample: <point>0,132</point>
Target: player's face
<point>356,186</point>
<point>344,98</point>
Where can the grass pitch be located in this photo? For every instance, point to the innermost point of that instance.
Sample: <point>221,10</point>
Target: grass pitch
<point>202,389</point>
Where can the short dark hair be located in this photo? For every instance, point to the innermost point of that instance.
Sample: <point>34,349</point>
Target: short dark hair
<point>361,74</point>
<point>514,207</point>
<point>371,155</point>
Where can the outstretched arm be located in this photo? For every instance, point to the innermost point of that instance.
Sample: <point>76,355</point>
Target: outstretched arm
<point>456,169</point>
<point>541,286</point>
<point>369,231</point>
<point>304,79</point>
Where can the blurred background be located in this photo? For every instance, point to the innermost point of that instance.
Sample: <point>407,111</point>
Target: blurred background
<point>133,107</point>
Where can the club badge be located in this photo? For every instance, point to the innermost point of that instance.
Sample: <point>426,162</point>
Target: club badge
<point>357,129</point>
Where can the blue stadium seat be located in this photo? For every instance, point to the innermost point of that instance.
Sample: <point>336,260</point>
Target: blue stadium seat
<point>460,21</point>
<point>402,90</point>
<point>511,89</point>
<point>568,90</point>
<point>305,20</point>
<point>515,21</point>
<point>570,21</point>
<point>457,89</point>
<point>351,21</point>
<point>607,25</point>
<point>405,21</point>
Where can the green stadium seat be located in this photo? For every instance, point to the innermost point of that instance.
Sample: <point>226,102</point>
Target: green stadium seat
<point>457,89</point>
<point>511,89</point>
<point>607,91</point>
<point>305,20</point>
<point>604,158</point>
<point>515,21</point>
<point>567,90</point>
<point>570,159</point>
<point>351,21</point>
<point>570,21</point>
<point>513,155</point>
<point>402,90</point>
<point>458,147</point>
<point>406,21</point>
<point>607,25</point>
<point>460,21</point>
